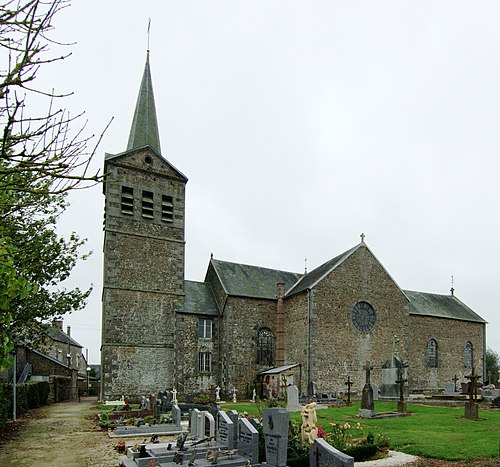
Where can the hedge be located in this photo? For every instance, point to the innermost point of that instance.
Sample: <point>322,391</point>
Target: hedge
<point>28,396</point>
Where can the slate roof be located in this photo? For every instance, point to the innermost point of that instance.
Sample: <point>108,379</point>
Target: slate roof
<point>144,130</point>
<point>310,279</point>
<point>61,336</point>
<point>199,299</point>
<point>441,306</point>
<point>243,280</point>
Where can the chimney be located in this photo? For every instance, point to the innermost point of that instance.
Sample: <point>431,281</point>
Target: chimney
<point>280,325</point>
<point>68,330</point>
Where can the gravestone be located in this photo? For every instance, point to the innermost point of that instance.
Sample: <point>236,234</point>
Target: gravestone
<point>323,454</point>
<point>157,410</point>
<point>449,388</point>
<point>348,383</point>
<point>209,425</point>
<point>176,415</point>
<point>401,403</point>
<point>233,415</point>
<point>200,427</point>
<point>367,409</point>
<point>392,370</point>
<point>248,441</point>
<point>275,428</point>
<point>471,406</point>
<point>225,430</point>
<point>292,396</point>
<point>193,423</point>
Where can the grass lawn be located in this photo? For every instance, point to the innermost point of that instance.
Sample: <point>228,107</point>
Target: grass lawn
<point>439,432</point>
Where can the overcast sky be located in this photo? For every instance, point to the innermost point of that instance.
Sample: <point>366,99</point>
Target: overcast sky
<point>300,125</point>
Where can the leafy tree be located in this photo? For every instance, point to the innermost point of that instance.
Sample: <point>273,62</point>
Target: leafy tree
<point>43,155</point>
<point>492,365</point>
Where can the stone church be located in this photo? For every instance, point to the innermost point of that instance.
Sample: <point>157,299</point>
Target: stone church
<point>160,330</point>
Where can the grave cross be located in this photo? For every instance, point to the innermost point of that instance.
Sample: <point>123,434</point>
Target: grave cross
<point>349,384</point>
<point>401,381</point>
<point>455,379</point>
<point>367,369</point>
<point>174,396</point>
<point>473,385</point>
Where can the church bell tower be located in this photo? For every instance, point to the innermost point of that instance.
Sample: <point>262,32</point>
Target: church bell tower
<point>143,281</point>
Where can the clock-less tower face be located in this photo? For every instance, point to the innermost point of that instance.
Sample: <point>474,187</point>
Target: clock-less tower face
<point>363,317</point>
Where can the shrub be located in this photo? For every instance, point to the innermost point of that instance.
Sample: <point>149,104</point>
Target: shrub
<point>362,452</point>
<point>203,398</point>
<point>5,402</point>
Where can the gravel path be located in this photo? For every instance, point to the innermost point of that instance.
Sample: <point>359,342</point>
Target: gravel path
<point>61,434</point>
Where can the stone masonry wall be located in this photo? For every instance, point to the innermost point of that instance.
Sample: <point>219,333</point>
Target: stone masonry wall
<point>338,348</point>
<point>451,336</point>
<point>143,277</point>
<point>189,380</point>
<point>243,317</point>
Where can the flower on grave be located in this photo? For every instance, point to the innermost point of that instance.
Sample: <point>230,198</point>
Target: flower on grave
<point>321,432</point>
<point>347,426</point>
<point>358,426</point>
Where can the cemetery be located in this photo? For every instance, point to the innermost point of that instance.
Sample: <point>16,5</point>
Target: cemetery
<point>291,431</point>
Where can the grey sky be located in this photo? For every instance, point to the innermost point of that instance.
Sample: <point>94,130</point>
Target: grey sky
<point>301,125</point>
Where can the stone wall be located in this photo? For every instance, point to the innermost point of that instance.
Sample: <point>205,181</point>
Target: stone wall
<point>451,336</point>
<point>188,379</point>
<point>338,348</point>
<point>243,317</point>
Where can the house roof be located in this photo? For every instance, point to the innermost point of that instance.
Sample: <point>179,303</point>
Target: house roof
<point>199,299</point>
<point>144,130</point>
<point>243,280</point>
<point>310,279</point>
<point>441,306</point>
<point>61,336</point>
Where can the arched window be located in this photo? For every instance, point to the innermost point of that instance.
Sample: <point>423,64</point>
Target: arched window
<point>265,347</point>
<point>468,354</point>
<point>432,353</point>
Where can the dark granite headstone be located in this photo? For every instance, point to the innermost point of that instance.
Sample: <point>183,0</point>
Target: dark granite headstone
<point>275,428</point>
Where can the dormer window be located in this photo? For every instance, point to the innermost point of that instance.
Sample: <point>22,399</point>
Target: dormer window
<point>127,201</point>
<point>147,204</point>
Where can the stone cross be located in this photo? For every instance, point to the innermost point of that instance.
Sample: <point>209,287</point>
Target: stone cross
<point>174,396</point>
<point>348,384</point>
<point>217,394</point>
<point>401,381</point>
<point>473,385</point>
<point>234,395</point>
<point>362,238</point>
<point>368,369</point>
<point>455,379</point>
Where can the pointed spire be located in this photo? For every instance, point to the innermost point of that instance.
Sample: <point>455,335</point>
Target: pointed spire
<point>144,130</point>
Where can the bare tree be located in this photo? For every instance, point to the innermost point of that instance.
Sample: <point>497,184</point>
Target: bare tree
<point>39,154</point>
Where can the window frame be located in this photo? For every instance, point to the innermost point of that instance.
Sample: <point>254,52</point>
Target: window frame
<point>204,325</point>
<point>204,362</point>
<point>266,347</point>
<point>432,353</point>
